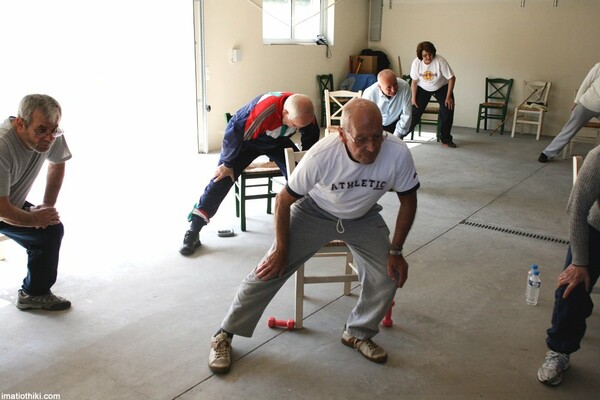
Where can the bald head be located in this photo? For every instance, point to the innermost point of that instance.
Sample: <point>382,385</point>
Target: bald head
<point>388,82</point>
<point>386,75</point>
<point>361,115</point>
<point>299,106</point>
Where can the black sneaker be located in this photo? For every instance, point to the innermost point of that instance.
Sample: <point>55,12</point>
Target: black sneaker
<point>449,144</point>
<point>191,241</point>
<point>543,158</point>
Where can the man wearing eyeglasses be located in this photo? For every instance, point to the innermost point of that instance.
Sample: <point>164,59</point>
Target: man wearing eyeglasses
<point>393,97</point>
<point>333,195</point>
<point>26,142</point>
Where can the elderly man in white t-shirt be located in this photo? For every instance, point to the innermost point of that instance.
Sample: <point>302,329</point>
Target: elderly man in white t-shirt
<point>393,97</point>
<point>332,195</point>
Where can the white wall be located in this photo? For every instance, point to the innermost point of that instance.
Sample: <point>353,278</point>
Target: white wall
<point>238,23</point>
<point>123,72</point>
<point>498,38</point>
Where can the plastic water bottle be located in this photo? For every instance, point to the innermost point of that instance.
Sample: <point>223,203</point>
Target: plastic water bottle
<point>533,288</point>
<point>533,267</point>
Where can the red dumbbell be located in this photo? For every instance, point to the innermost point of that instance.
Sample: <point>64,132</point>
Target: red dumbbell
<point>289,324</point>
<point>387,320</point>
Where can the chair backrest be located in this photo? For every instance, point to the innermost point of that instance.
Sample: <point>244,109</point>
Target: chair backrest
<point>334,105</point>
<point>407,78</point>
<point>539,91</point>
<point>228,117</point>
<point>292,158</point>
<point>497,90</point>
<point>325,82</point>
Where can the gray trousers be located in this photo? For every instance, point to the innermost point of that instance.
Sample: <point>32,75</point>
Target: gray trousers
<point>579,117</point>
<point>310,229</point>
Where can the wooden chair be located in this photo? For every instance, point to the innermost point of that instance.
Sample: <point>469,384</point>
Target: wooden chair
<point>532,112</point>
<point>495,106</point>
<point>325,82</point>
<point>335,248</point>
<point>430,116</point>
<point>257,175</point>
<point>593,138</point>
<point>334,105</point>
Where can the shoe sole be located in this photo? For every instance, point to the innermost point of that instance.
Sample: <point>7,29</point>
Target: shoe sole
<point>24,307</point>
<point>219,370</point>
<point>184,251</point>
<point>552,383</point>
<point>375,360</point>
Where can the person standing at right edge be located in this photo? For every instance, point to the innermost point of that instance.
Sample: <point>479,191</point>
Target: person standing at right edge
<point>572,301</point>
<point>431,75</point>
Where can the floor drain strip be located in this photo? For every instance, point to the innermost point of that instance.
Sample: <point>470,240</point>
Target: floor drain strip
<point>516,232</point>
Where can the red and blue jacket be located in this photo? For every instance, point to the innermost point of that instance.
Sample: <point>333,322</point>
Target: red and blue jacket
<point>261,121</point>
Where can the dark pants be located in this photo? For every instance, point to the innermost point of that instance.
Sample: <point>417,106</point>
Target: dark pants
<point>446,115</point>
<point>568,316</point>
<point>391,128</point>
<point>215,192</point>
<point>43,248</point>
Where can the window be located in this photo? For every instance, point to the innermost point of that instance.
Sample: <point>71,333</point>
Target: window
<point>295,21</point>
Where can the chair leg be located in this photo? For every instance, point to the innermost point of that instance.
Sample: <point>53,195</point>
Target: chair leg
<point>485,120</point>
<point>539,126</point>
<point>243,203</point>
<point>269,191</point>
<point>478,119</point>
<point>348,271</point>
<point>236,188</point>
<point>299,301</point>
<point>514,126</point>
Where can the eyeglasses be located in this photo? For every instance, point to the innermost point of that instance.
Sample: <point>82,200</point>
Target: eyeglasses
<point>364,140</point>
<point>43,132</point>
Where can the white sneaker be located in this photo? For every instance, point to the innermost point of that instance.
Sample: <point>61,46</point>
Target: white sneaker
<point>368,348</point>
<point>551,372</point>
<point>219,359</point>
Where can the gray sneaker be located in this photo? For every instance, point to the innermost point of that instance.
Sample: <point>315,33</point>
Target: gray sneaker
<point>368,348</point>
<point>551,372</point>
<point>219,359</point>
<point>48,301</point>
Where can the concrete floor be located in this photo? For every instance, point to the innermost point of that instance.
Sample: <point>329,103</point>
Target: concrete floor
<point>143,315</point>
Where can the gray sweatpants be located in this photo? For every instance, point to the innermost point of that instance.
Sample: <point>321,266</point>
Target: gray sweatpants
<point>310,229</point>
<point>579,117</point>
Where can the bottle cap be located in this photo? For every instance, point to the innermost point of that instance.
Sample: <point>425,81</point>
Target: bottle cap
<point>534,266</point>
<point>536,272</point>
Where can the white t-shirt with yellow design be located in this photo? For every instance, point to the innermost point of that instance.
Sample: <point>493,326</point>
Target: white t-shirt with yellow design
<point>433,76</point>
